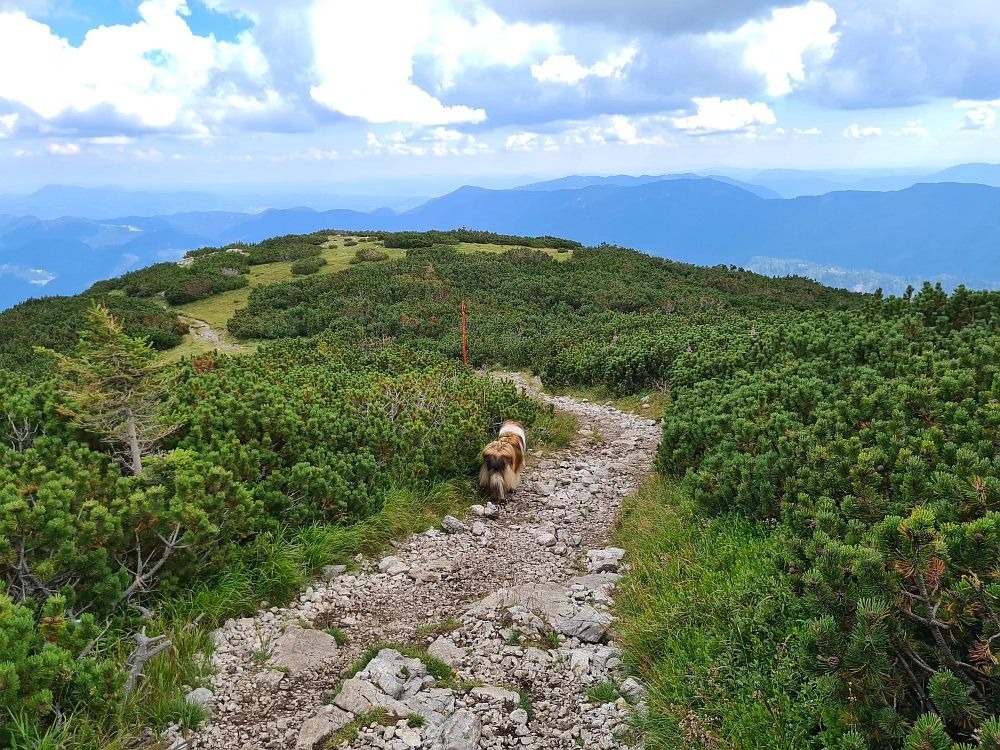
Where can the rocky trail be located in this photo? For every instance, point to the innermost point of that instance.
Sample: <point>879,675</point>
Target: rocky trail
<point>202,332</point>
<point>515,600</point>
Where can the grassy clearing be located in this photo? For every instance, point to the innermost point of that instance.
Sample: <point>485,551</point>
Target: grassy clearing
<point>218,309</point>
<point>708,625</point>
<point>553,430</point>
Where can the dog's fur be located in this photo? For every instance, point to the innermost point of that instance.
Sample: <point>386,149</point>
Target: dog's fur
<point>503,460</point>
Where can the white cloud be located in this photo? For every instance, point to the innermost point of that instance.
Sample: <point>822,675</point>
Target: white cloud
<point>364,58</point>
<point>35,276</point>
<point>522,142</point>
<point>310,154</point>
<point>440,141</point>
<point>775,48</point>
<point>854,131</point>
<point>808,131</point>
<point>459,43</point>
<point>916,127</point>
<point>981,115</point>
<point>150,155</point>
<point>731,115</point>
<point>63,149</point>
<point>566,68</point>
<point>111,140</point>
<point>7,123</point>
<point>157,70</point>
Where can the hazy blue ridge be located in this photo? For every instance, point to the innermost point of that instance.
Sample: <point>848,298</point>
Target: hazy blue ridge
<point>927,230</point>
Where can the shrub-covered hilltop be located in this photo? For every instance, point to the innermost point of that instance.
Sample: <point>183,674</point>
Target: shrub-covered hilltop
<point>815,564</point>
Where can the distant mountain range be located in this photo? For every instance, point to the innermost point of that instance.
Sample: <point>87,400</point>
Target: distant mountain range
<point>55,201</point>
<point>927,230</point>
<point>793,183</point>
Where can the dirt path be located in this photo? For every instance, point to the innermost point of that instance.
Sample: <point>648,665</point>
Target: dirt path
<point>202,332</point>
<point>541,628</point>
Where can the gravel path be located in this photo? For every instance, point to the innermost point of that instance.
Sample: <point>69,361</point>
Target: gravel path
<point>201,331</point>
<point>528,588</point>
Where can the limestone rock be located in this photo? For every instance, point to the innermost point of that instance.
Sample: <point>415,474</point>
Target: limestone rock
<point>494,693</point>
<point>332,571</point>
<point>579,663</point>
<point>491,511</point>
<point>546,540</point>
<point>433,704</point>
<point>387,562</point>
<point>269,677</point>
<point>604,560</point>
<point>461,731</point>
<point>300,649</point>
<point>446,651</point>
<point>200,696</point>
<point>549,600</point>
<point>453,526</point>
<point>478,528</point>
<point>321,727</point>
<point>588,625</point>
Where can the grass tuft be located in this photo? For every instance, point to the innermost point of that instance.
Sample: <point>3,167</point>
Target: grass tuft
<point>338,635</point>
<point>438,628</point>
<point>603,692</point>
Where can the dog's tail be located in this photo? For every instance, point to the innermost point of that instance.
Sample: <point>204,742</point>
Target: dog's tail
<point>497,489</point>
<point>495,474</point>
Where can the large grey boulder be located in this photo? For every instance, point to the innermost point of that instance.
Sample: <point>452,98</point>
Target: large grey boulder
<point>604,560</point>
<point>394,674</point>
<point>461,731</point>
<point>321,727</point>
<point>445,650</point>
<point>433,704</point>
<point>361,697</point>
<point>550,601</point>
<point>587,625</point>
<point>300,649</point>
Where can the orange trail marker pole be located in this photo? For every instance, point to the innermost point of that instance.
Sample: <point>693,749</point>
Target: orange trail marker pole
<point>465,348</point>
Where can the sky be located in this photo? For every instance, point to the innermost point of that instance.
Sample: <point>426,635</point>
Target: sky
<point>342,94</point>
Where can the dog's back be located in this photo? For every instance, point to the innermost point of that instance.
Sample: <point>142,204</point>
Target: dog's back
<point>503,460</point>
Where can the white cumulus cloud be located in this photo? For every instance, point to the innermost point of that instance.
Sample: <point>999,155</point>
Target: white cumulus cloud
<point>566,68</point>
<point>36,276</point>
<point>156,70</point>
<point>776,47</point>
<point>522,142</point>
<point>716,115</point>
<point>364,57</point>
<point>980,115</point>
<point>63,149</point>
<point>853,131</point>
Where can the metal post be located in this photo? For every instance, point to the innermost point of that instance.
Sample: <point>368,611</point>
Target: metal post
<point>465,348</point>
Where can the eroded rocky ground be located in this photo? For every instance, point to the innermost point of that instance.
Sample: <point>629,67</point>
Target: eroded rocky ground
<point>524,593</point>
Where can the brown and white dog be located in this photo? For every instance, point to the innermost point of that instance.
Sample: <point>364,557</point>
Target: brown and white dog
<point>503,460</point>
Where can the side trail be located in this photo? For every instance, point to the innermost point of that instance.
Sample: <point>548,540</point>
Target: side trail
<point>527,590</point>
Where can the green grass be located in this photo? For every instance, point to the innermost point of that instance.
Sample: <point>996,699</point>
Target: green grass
<point>707,623</point>
<point>438,628</point>
<point>276,566</point>
<point>553,430</point>
<point>338,635</point>
<point>349,732</point>
<point>631,404</point>
<point>603,692</point>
